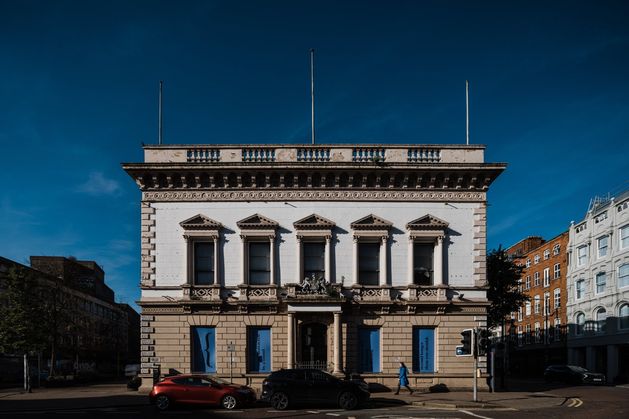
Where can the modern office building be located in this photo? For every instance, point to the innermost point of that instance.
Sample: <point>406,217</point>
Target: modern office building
<point>349,258</point>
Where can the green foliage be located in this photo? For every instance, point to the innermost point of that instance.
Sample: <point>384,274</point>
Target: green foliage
<point>22,328</point>
<point>503,293</point>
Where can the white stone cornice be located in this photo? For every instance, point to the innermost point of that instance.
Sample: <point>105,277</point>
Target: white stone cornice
<point>313,195</point>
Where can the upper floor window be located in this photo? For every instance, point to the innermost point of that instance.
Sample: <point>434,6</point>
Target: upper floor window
<point>528,263</point>
<point>579,286</point>
<point>557,298</point>
<point>582,255</point>
<point>580,323</point>
<point>202,239</point>
<point>624,237</point>
<point>519,314</point>
<point>546,303</point>
<point>314,260</point>
<point>536,259</point>
<point>536,279</point>
<point>423,263</point>
<point>546,277</point>
<point>314,236</point>
<point>527,307</point>
<point>600,217</point>
<point>426,240</point>
<point>623,275</point>
<point>527,284</point>
<point>368,263</point>
<point>556,271</point>
<point>371,235</point>
<point>601,320</point>
<point>601,280</point>
<point>601,246</point>
<point>556,249</point>
<point>536,306</point>
<point>258,245</point>
<point>546,254</point>
<point>623,316</point>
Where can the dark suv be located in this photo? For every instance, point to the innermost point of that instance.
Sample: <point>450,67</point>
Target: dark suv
<point>573,375</point>
<point>295,386</point>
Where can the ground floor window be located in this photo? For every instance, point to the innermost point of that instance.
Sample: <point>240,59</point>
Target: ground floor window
<point>259,349</point>
<point>369,349</point>
<point>423,350</point>
<point>203,349</point>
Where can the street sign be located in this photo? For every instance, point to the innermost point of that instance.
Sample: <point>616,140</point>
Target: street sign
<point>231,347</point>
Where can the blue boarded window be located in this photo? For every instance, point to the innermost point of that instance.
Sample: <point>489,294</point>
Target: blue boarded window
<point>259,349</point>
<point>369,349</point>
<point>423,350</point>
<point>203,349</point>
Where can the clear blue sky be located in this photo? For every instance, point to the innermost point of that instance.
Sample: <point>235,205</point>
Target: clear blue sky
<point>78,90</point>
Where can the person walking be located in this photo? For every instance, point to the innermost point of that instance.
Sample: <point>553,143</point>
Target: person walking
<point>403,379</point>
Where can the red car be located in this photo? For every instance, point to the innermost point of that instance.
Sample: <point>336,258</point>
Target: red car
<point>200,389</point>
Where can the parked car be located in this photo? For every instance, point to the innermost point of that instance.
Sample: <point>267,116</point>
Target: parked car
<point>200,389</point>
<point>573,375</point>
<point>288,387</point>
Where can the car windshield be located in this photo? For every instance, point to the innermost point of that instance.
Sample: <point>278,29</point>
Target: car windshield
<point>577,369</point>
<point>217,380</point>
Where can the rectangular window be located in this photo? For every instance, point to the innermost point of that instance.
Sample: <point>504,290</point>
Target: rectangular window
<point>527,306</point>
<point>528,333</point>
<point>623,275</point>
<point>556,271</point>
<point>314,260</point>
<point>536,279</point>
<point>601,280</point>
<point>259,263</point>
<point>546,254</point>
<point>582,255</point>
<point>203,349</point>
<point>557,298</point>
<point>528,282</point>
<point>624,237</point>
<point>204,263</point>
<point>555,250</point>
<point>369,351</point>
<point>538,334</point>
<point>423,263</point>
<point>528,263</point>
<point>537,304</point>
<point>259,349</point>
<point>369,263</point>
<point>520,335</point>
<point>557,329</point>
<point>546,277</point>
<point>536,259</point>
<point>546,303</point>
<point>602,245</point>
<point>423,350</point>
<point>519,314</point>
<point>578,286</point>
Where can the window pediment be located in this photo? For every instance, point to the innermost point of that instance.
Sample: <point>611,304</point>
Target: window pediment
<point>371,222</point>
<point>257,222</point>
<point>200,222</point>
<point>314,222</point>
<point>427,222</point>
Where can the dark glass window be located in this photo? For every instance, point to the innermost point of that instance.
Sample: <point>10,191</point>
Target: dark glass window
<point>422,263</point>
<point>259,263</point>
<point>368,263</point>
<point>203,263</point>
<point>314,260</point>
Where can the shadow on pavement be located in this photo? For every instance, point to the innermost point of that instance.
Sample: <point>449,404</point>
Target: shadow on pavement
<point>27,404</point>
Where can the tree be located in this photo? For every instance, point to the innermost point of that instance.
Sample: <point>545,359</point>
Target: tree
<point>22,329</point>
<point>503,275</point>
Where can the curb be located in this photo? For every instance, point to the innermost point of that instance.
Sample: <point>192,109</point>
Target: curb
<point>462,405</point>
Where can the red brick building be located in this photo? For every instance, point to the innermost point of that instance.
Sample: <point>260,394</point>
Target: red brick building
<point>538,329</point>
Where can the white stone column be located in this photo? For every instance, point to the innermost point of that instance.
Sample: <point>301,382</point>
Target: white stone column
<point>384,240</point>
<point>337,343</point>
<point>272,259</point>
<point>216,270</point>
<point>245,262</point>
<point>355,261</point>
<point>410,261</point>
<point>290,342</point>
<point>438,261</point>
<point>328,259</point>
<point>300,261</point>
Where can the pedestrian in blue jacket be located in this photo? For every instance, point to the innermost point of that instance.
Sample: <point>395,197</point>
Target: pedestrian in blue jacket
<point>403,379</point>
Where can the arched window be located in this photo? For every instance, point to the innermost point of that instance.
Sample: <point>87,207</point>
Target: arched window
<point>623,316</point>
<point>601,318</point>
<point>580,321</point>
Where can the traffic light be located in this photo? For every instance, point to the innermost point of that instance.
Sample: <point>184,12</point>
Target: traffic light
<point>467,337</point>
<point>482,342</point>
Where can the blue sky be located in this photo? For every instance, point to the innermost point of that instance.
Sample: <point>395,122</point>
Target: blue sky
<point>78,90</point>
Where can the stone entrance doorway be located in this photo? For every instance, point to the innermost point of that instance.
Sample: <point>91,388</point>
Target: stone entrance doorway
<point>314,347</point>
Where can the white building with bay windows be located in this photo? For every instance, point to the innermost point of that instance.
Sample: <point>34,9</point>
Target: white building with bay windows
<point>598,289</point>
<point>348,258</point>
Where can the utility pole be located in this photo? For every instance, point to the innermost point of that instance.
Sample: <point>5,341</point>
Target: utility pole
<point>475,349</point>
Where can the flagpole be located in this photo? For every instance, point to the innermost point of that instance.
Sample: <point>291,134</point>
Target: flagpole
<point>312,103</point>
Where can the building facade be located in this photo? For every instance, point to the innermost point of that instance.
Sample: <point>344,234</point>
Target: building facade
<point>598,289</point>
<point>538,330</point>
<point>95,335</point>
<point>342,257</point>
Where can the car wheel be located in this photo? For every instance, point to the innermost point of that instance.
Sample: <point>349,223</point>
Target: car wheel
<point>162,402</point>
<point>229,402</point>
<point>348,400</point>
<point>279,401</point>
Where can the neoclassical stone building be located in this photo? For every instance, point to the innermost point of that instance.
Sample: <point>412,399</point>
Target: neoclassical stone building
<point>391,239</point>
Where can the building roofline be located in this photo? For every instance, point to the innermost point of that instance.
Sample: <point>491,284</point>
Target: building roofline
<point>308,145</point>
